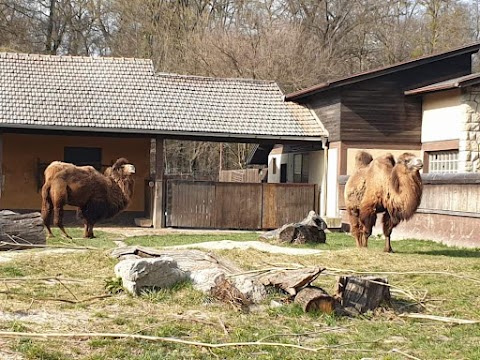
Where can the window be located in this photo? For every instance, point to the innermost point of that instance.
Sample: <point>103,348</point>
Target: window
<point>83,156</point>
<point>274,165</point>
<point>300,168</point>
<point>443,161</point>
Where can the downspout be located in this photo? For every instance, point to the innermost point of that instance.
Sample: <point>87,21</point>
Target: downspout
<point>324,179</point>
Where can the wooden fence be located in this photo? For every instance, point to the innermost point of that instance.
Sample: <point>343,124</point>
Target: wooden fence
<point>223,205</point>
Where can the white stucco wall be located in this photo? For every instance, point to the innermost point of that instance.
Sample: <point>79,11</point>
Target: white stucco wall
<point>275,178</point>
<point>443,115</point>
<point>332,183</point>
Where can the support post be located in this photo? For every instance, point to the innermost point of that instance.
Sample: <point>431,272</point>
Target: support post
<point>2,177</point>
<point>158,215</point>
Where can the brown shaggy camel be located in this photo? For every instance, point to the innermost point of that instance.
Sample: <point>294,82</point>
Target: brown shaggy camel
<point>96,195</point>
<point>382,186</point>
<point>56,166</point>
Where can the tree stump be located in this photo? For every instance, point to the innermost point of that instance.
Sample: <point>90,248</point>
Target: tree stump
<point>22,229</point>
<point>309,230</point>
<point>360,294</point>
<point>315,299</point>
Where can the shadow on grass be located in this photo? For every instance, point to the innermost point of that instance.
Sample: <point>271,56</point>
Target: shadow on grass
<point>405,306</point>
<point>465,253</point>
<point>450,252</point>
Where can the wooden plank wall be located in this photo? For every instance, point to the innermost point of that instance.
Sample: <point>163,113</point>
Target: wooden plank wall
<point>247,206</point>
<point>451,198</point>
<point>244,175</point>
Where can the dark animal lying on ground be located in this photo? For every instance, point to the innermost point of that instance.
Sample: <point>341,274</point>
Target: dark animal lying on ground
<point>382,186</point>
<point>97,196</point>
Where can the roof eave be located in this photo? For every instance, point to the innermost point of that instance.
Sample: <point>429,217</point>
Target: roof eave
<point>192,134</point>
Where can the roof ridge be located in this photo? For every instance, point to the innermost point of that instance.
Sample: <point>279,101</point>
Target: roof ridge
<point>187,76</point>
<point>36,56</point>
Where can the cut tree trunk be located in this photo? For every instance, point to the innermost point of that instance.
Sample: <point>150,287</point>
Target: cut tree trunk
<point>315,299</point>
<point>309,230</point>
<point>21,229</point>
<point>361,294</point>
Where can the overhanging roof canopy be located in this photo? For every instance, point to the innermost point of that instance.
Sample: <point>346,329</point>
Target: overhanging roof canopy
<point>120,95</point>
<point>329,85</point>
<point>460,82</point>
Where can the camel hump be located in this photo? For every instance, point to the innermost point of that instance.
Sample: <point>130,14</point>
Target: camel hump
<point>386,160</point>
<point>362,159</point>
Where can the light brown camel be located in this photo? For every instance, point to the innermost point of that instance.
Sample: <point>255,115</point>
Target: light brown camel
<point>382,186</point>
<point>96,195</point>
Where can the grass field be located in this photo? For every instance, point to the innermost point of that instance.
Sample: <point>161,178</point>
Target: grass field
<point>74,292</point>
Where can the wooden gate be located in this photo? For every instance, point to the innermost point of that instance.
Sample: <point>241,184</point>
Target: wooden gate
<point>249,206</point>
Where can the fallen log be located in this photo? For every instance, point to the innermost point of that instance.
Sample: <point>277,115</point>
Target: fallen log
<point>358,295</point>
<point>21,229</point>
<point>315,299</point>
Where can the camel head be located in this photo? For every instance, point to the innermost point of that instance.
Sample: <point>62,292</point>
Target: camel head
<point>410,161</point>
<point>123,167</point>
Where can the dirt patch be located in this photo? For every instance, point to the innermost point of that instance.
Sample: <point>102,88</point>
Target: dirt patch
<point>243,245</point>
<point>10,255</point>
<point>138,231</point>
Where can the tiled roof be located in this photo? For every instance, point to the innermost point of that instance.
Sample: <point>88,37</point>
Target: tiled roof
<point>463,81</point>
<point>125,95</point>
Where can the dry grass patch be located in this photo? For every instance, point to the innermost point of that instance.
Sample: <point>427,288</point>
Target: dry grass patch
<point>75,293</point>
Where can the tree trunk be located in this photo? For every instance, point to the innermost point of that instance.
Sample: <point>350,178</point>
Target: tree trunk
<point>23,229</point>
<point>315,299</point>
<point>360,294</point>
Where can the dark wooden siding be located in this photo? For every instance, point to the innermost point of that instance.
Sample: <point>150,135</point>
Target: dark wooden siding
<point>327,107</point>
<point>378,111</point>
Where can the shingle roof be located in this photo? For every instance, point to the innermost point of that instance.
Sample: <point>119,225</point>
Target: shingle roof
<point>463,81</point>
<point>325,86</point>
<point>125,95</point>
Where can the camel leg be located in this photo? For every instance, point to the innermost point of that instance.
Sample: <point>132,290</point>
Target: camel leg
<point>58,219</point>
<point>47,218</point>
<point>90,234</point>
<point>388,225</point>
<point>355,227</point>
<point>368,219</point>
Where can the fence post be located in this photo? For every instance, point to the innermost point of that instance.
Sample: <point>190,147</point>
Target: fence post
<point>158,216</point>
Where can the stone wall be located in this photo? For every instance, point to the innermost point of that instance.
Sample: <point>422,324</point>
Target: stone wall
<point>469,146</point>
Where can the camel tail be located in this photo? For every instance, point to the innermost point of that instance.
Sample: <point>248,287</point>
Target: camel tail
<point>362,159</point>
<point>47,204</point>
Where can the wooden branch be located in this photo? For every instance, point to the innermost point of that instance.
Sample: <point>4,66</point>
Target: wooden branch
<point>47,278</point>
<point>441,318</point>
<point>58,299</point>
<point>12,334</point>
<point>6,243</point>
<point>446,273</point>
<point>408,356</point>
